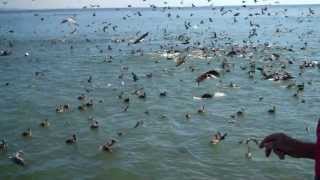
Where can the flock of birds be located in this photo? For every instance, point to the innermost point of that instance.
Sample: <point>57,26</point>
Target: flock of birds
<point>274,67</point>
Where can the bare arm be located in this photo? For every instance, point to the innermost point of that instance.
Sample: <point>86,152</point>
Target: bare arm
<point>282,145</point>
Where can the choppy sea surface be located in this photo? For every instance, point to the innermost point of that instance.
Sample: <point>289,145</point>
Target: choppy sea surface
<point>62,57</point>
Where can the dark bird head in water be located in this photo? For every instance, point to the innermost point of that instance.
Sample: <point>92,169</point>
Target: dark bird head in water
<point>272,110</point>
<point>139,123</point>
<point>202,110</point>
<point>90,103</point>
<point>163,94</point>
<point>72,140</point>
<point>27,133</point>
<point>149,75</point>
<point>90,79</point>
<point>206,95</point>
<point>81,97</point>
<point>126,100</point>
<point>113,141</point>
<point>94,124</point>
<point>134,77</point>
<point>45,123</point>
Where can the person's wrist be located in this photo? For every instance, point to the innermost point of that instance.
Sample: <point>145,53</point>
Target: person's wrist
<point>301,149</point>
<point>292,147</point>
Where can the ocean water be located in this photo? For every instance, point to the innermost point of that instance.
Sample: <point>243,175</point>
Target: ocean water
<point>167,145</point>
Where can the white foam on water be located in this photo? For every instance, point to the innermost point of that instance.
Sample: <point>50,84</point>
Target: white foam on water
<point>197,98</point>
<point>219,94</point>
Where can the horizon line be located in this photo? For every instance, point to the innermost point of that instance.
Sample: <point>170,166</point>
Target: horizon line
<point>148,7</point>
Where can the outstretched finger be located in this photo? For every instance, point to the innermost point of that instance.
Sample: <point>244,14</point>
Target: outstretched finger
<point>279,153</point>
<point>268,148</point>
<point>268,139</point>
<point>268,151</point>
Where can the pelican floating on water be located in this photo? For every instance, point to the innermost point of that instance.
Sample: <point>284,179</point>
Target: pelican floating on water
<point>17,158</point>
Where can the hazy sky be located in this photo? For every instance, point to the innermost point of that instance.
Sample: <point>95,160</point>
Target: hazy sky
<point>53,4</point>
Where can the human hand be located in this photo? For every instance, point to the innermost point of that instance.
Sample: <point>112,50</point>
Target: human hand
<point>281,145</point>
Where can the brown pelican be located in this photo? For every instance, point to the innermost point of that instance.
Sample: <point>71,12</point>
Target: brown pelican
<point>207,75</point>
<point>216,138</point>
<point>108,145</point>
<point>17,158</point>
